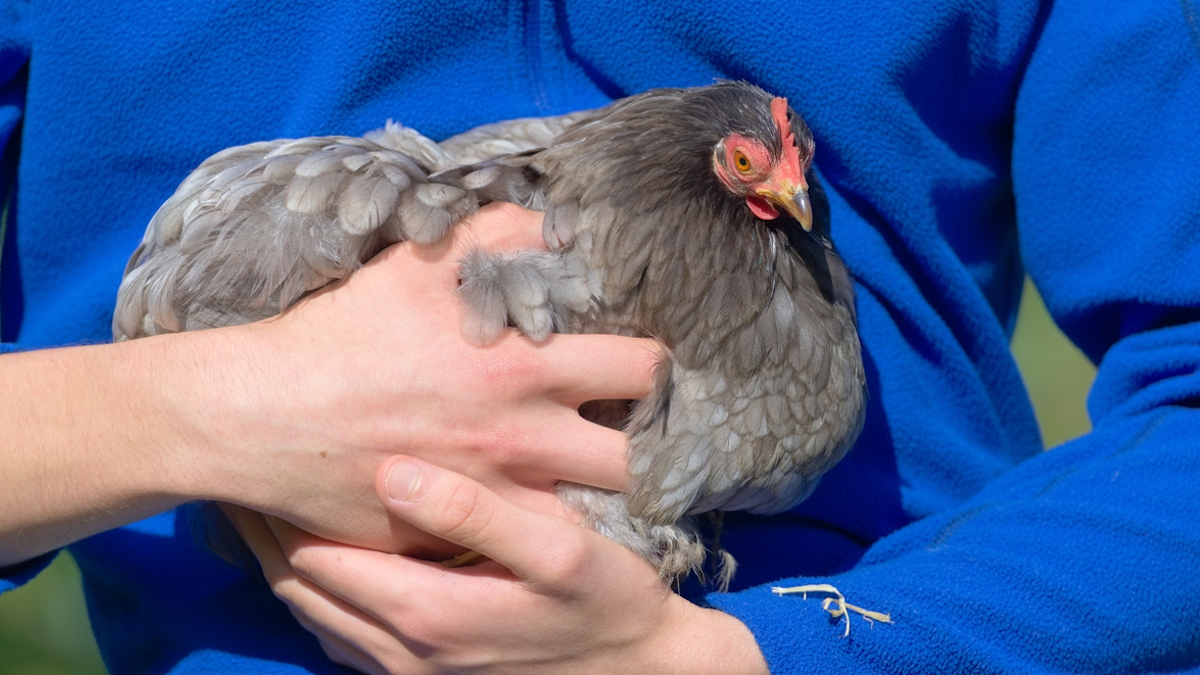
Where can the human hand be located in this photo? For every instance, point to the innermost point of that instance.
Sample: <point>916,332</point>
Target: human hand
<point>553,597</point>
<point>378,365</point>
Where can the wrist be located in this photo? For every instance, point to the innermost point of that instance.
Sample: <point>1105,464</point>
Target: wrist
<point>137,405</point>
<point>162,407</point>
<point>82,447</point>
<point>703,641</point>
<point>202,413</point>
<point>257,419</point>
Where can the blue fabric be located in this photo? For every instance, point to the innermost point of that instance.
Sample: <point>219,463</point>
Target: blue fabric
<point>15,576</point>
<point>961,142</point>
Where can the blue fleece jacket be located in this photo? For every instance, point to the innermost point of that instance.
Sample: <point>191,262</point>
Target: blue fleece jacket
<point>962,142</point>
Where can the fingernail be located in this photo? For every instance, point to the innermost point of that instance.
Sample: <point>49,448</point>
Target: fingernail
<point>401,480</point>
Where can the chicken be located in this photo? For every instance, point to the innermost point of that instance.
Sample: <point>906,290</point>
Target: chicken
<point>690,215</point>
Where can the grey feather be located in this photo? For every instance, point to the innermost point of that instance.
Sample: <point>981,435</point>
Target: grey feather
<point>257,227</point>
<point>510,137</point>
<point>762,390</point>
<point>395,136</point>
<point>482,293</point>
<point>365,204</point>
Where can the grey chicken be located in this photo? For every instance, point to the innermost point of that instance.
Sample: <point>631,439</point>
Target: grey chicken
<point>689,215</point>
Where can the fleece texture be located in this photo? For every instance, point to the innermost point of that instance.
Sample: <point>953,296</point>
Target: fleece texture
<point>962,142</point>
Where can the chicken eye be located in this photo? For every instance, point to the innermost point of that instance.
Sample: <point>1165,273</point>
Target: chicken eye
<point>741,161</point>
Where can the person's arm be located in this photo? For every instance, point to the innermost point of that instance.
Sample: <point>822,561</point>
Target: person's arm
<point>292,416</point>
<point>88,442</point>
<point>553,597</point>
<point>1080,559</point>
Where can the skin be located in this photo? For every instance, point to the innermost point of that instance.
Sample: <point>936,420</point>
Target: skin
<point>573,603</point>
<point>302,417</point>
<point>293,416</point>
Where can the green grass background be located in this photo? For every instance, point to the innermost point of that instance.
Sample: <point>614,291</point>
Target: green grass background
<point>44,627</point>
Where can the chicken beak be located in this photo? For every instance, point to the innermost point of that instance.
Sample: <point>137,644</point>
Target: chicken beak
<point>791,199</point>
<point>801,210</point>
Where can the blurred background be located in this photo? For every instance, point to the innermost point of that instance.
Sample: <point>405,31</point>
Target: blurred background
<point>44,627</point>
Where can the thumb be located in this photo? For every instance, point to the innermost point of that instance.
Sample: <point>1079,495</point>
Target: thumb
<point>460,510</point>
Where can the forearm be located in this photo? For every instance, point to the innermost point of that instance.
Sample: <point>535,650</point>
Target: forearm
<point>291,416</point>
<point>88,441</point>
<point>1078,561</point>
<point>99,436</point>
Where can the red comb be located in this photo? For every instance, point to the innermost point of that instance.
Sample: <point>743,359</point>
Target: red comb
<point>779,108</point>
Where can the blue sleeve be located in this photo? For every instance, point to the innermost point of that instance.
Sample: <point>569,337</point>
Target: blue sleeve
<point>18,575</point>
<point>14,73</point>
<point>1081,559</point>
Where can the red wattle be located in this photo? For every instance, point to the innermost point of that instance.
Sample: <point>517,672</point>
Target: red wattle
<point>762,208</point>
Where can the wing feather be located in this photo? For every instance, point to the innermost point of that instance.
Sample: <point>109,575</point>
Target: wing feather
<point>256,227</point>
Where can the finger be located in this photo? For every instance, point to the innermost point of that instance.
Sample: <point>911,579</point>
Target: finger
<point>336,624</point>
<point>340,651</point>
<point>302,550</point>
<point>261,540</point>
<point>460,510</point>
<point>264,540</point>
<point>501,226</point>
<point>320,611</point>
<point>580,368</point>
<point>331,580</point>
<point>303,599</point>
<point>566,447</point>
<point>330,565</point>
